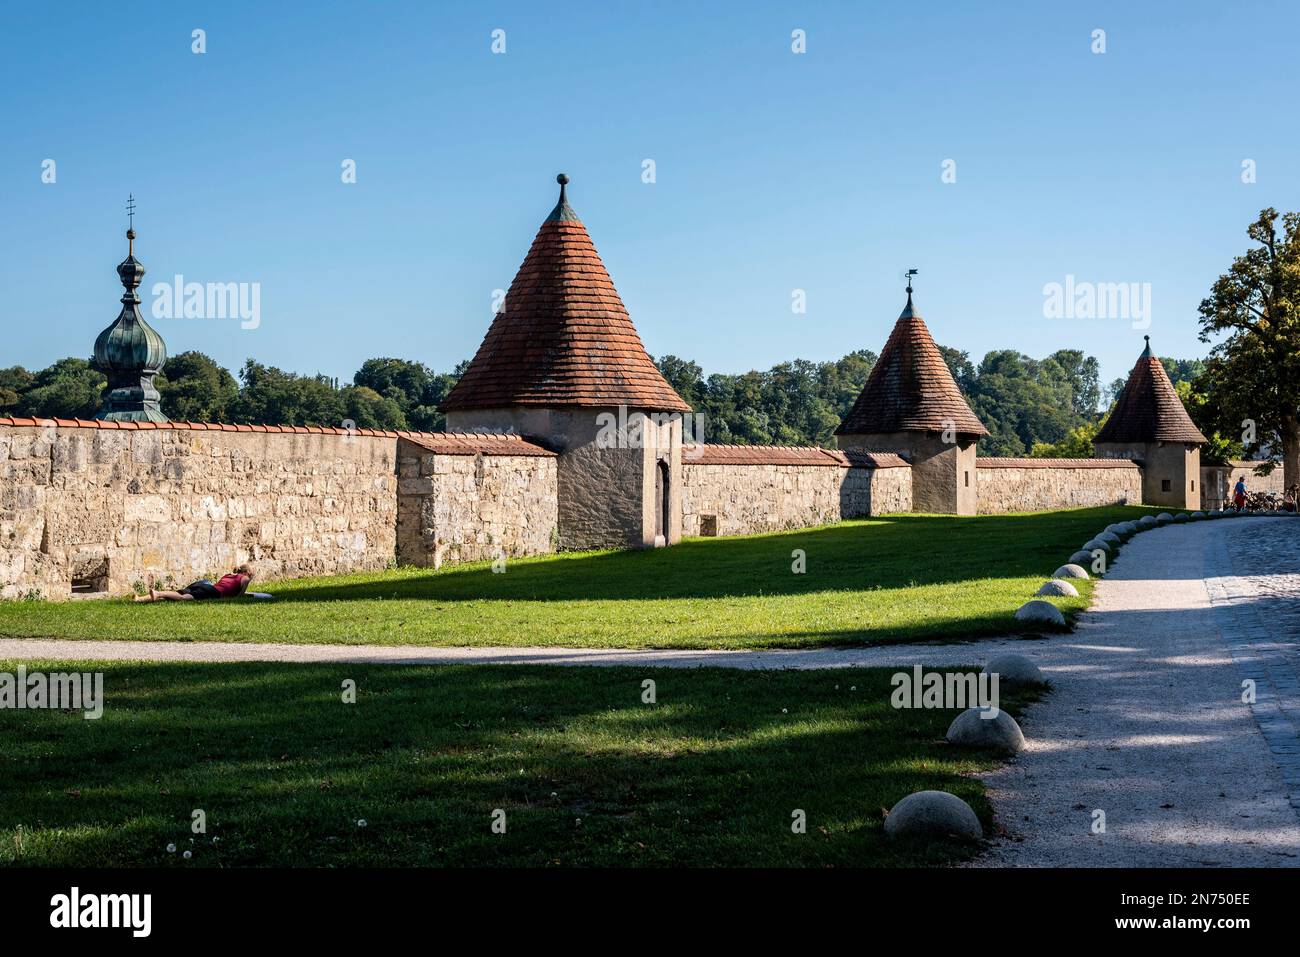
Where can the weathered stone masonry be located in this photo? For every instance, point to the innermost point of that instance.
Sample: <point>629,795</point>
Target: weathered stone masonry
<point>97,507</point>
<point>469,507</point>
<point>1033,485</point>
<point>740,490</point>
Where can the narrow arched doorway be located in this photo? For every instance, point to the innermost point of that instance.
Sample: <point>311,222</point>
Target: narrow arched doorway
<point>662,495</point>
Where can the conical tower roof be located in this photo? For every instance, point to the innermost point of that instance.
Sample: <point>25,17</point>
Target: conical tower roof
<point>1148,409</point>
<point>563,336</point>
<point>910,388</point>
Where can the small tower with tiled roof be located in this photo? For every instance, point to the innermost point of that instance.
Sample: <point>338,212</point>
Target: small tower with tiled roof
<point>563,365</point>
<point>130,352</point>
<point>912,406</point>
<point>1149,424</point>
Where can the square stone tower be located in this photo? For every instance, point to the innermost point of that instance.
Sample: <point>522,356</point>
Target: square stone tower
<point>912,406</point>
<point>1150,425</point>
<point>563,365</point>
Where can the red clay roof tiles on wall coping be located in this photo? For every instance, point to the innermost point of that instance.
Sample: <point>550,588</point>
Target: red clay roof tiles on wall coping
<point>787,455</point>
<point>447,443</point>
<point>994,463</point>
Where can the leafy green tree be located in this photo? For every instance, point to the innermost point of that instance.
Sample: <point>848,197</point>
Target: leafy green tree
<point>195,389</point>
<point>1079,443</point>
<point>1253,376</point>
<point>14,381</point>
<point>961,369</point>
<point>70,389</point>
<point>415,388</point>
<point>1220,449</point>
<point>367,409</point>
<point>273,396</point>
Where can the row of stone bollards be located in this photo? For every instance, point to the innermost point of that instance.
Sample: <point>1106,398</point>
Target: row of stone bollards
<point>937,815</point>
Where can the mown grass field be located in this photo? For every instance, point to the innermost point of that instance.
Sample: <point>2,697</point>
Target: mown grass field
<point>893,579</point>
<point>586,773</point>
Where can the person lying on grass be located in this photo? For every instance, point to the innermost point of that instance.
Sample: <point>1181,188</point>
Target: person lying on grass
<point>230,586</point>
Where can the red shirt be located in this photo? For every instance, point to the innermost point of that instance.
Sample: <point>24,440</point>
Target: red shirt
<point>231,585</point>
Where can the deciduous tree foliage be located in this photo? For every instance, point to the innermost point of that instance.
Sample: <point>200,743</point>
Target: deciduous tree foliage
<point>1028,404</point>
<point>1253,375</point>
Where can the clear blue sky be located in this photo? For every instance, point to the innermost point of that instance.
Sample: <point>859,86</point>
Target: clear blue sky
<point>775,171</point>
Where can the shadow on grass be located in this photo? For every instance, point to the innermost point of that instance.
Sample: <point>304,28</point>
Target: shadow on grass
<point>585,772</point>
<point>891,552</point>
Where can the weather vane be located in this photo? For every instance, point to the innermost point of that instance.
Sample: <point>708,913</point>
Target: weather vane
<point>910,274</point>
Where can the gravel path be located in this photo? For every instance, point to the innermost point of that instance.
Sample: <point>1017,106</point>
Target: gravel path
<point>1146,722</point>
<point>202,651</point>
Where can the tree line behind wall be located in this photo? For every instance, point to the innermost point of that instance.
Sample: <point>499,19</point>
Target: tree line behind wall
<point>1046,407</point>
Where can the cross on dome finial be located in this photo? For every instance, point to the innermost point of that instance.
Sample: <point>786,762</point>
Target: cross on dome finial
<point>130,229</point>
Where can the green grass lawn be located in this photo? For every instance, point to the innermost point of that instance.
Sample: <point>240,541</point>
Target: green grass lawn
<point>894,579</point>
<point>586,773</point>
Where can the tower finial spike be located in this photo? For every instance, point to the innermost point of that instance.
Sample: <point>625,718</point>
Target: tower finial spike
<point>130,229</point>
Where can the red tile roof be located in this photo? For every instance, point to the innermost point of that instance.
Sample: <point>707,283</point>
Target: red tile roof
<point>910,388</point>
<point>860,459</point>
<point>1148,408</point>
<point>563,336</point>
<point>444,443</point>
<point>475,443</point>
<point>995,463</point>
<point>787,455</point>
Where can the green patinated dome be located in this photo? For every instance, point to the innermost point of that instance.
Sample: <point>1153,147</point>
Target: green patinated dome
<point>130,352</point>
<point>130,344</point>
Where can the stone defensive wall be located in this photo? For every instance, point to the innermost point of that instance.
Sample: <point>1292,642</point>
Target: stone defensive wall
<point>94,507</point>
<point>466,497</point>
<point>1033,485</point>
<point>1218,481</point>
<point>743,489</point>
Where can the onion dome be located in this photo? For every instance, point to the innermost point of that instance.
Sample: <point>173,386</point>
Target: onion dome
<point>130,352</point>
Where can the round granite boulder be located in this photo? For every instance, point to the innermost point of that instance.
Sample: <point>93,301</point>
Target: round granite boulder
<point>1015,670</point>
<point>1043,612</point>
<point>1092,543</point>
<point>1164,518</point>
<point>1070,571</point>
<point>1082,558</point>
<point>1197,516</point>
<point>1058,588</point>
<point>1115,528</point>
<point>1181,518</point>
<point>933,815</point>
<point>986,728</point>
<point>1110,538</point>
